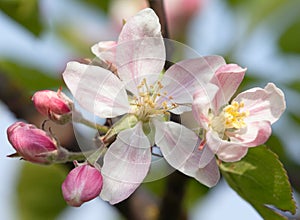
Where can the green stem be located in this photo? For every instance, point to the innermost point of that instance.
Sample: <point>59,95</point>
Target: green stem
<point>63,155</point>
<point>77,117</point>
<point>93,158</point>
<point>101,128</point>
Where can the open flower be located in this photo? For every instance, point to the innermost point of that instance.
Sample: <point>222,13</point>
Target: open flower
<point>231,127</point>
<point>145,95</point>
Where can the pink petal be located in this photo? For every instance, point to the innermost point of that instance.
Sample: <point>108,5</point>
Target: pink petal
<point>232,152</point>
<point>82,184</point>
<point>176,142</point>
<point>228,77</point>
<point>96,89</point>
<point>226,151</point>
<point>182,79</point>
<point>255,134</point>
<point>263,104</point>
<point>208,175</point>
<point>140,50</point>
<point>126,164</point>
<point>105,50</point>
<point>202,103</point>
<point>214,62</point>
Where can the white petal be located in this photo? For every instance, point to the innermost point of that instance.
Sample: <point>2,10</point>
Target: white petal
<point>176,142</point>
<point>144,24</point>
<point>126,164</point>
<point>105,51</point>
<point>140,51</point>
<point>96,89</point>
<point>182,79</point>
<point>208,175</point>
<point>206,156</point>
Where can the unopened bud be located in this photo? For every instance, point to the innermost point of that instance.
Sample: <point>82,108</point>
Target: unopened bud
<point>30,142</point>
<point>82,184</point>
<point>55,105</point>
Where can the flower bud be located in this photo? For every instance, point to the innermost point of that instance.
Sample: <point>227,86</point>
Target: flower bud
<point>82,184</point>
<point>31,143</point>
<point>55,105</point>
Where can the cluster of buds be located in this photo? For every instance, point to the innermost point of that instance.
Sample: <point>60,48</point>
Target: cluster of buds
<point>36,145</point>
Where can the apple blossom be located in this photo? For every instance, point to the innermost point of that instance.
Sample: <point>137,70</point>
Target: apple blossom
<point>82,184</point>
<point>30,142</point>
<point>145,96</point>
<point>231,127</point>
<point>55,105</point>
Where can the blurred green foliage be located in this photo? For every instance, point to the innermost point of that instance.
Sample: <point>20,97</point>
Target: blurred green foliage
<point>28,78</point>
<point>39,192</point>
<point>289,41</point>
<point>24,12</point>
<point>103,5</point>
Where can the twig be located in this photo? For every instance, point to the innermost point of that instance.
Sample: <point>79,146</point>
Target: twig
<point>158,7</point>
<point>171,204</point>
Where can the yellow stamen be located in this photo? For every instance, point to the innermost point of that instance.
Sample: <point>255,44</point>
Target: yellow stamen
<point>234,117</point>
<point>145,105</point>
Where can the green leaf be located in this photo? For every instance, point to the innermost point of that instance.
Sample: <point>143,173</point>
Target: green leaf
<point>24,12</point>
<point>275,144</point>
<point>39,192</point>
<point>28,78</point>
<point>261,180</point>
<point>289,40</point>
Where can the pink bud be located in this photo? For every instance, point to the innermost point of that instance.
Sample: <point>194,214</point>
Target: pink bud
<point>30,142</point>
<point>82,184</point>
<point>55,105</point>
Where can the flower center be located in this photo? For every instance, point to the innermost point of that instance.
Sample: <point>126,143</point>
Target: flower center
<point>147,104</point>
<point>230,118</point>
<point>234,117</point>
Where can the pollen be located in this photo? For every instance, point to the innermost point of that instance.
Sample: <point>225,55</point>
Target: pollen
<point>146,103</point>
<point>234,117</point>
